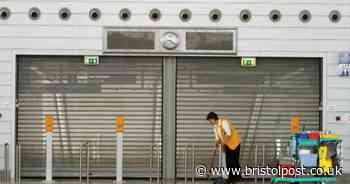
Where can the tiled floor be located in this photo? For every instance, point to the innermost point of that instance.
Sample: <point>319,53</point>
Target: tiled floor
<point>345,179</point>
<point>126,182</point>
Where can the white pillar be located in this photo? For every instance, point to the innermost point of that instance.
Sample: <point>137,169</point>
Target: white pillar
<point>168,149</point>
<point>119,158</point>
<point>49,157</point>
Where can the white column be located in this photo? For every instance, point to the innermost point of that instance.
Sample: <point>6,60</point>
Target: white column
<point>168,149</point>
<point>49,157</point>
<point>119,158</point>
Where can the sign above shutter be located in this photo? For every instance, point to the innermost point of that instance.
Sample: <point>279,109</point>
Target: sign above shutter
<point>248,62</point>
<point>170,41</point>
<point>91,60</point>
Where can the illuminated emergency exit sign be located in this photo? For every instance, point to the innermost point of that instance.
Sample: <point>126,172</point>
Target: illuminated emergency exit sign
<point>91,60</point>
<point>248,62</point>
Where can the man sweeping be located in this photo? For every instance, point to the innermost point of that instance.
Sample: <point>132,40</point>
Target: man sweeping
<point>227,136</point>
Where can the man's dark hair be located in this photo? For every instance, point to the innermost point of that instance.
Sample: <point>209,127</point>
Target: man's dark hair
<point>212,115</point>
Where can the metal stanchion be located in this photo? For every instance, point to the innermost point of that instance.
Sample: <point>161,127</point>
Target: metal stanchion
<point>84,147</point>
<point>151,164</point>
<point>1,176</point>
<point>193,163</point>
<point>18,164</point>
<point>2,169</point>
<point>8,165</point>
<point>256,163</point>
<point>263,161</point>
<point>80,163</point>
<point>158,162</point>
<point>87,163</point>
<point>185,159</point>
<point>6,162</point>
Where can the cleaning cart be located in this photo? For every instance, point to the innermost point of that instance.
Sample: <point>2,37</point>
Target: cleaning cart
<point>318,152</point>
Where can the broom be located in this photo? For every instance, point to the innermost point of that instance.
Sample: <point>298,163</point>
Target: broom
<point>219,179</point>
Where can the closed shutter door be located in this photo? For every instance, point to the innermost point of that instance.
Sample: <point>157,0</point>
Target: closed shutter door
<point>260,100</point>
<point>85,101</point>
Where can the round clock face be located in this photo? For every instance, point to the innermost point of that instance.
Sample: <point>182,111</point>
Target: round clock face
<point>170,40</point>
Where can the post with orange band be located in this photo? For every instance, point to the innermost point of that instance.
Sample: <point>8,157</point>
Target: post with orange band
<point>295,124</point>
<point>49,123</point>
<point>119,130</point>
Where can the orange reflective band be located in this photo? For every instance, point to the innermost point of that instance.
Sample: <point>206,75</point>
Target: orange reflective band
<point>295,124</point>
<point>119,121</point>
<point>119,124</point>
<point>49,121</point>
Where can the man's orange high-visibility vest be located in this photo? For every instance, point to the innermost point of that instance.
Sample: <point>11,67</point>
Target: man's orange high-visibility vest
<point>234,139</point>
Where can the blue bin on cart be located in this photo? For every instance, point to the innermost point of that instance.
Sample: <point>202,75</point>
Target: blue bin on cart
<point>308,160</point>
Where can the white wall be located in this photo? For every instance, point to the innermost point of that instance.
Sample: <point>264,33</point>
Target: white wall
<point>260,37</point>
<point>338,95</point>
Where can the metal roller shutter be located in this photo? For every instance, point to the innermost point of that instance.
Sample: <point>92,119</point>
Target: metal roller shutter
<point>260,101</point>
<point>85,101</point>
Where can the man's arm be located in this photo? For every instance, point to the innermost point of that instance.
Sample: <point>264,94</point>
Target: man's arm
<point>226,130</point>
<point>226,138</point>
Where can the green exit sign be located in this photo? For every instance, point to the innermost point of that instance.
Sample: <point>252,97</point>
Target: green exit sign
<point>248,62</point>
<point>91,60</point>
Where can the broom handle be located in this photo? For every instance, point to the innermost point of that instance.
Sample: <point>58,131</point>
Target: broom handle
<point>220,156</point>
<point>211,163</point>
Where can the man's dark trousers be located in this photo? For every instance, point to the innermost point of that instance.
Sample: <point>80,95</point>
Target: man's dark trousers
<point>232,161</point>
